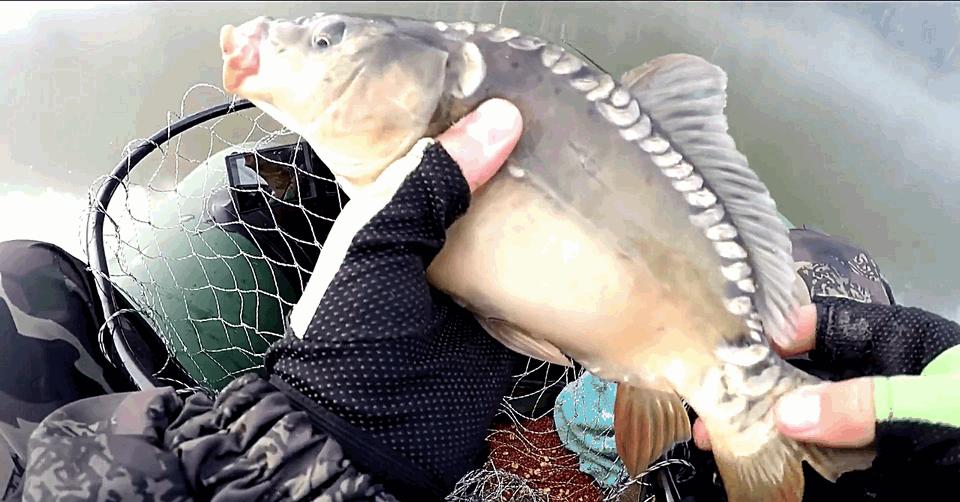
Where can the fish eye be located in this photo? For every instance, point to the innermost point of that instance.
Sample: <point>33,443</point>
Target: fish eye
<point>328,35</point>
<point>321,41</point>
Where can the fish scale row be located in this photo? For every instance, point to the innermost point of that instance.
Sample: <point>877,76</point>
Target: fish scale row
<point>749,371</point>
<point>618,107</point>
<point>751,377</point>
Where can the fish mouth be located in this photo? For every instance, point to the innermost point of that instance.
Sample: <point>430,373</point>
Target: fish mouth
<point>240,47</point>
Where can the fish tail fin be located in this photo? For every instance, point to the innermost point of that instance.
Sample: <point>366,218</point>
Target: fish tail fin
<point>773,471</point>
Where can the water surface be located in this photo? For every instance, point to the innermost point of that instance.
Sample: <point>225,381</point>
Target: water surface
<point>846,110</point>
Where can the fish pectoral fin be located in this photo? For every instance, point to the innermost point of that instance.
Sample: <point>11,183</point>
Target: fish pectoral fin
<point>648,420</point>
<point>518,341</point>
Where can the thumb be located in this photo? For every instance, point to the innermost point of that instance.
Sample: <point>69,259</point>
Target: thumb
<point>839,414</point>
<point>481,142</point>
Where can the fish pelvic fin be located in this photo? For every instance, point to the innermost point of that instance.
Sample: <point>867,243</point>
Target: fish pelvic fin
<point>520,342</point>
<point>759,464</point>
<point>685,97</point>
<point>648,420</point>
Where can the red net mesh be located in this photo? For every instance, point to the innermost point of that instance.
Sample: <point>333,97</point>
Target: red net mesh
<point>532,451</point>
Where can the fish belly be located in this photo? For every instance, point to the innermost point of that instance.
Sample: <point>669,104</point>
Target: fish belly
<point>519,256</point>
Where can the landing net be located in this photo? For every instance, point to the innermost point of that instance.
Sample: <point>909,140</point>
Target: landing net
<point>211,239</point>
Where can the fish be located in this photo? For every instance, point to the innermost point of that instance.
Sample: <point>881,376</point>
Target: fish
<point>625,232</point>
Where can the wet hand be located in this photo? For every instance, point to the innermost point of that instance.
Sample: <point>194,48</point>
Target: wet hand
<point>482,141</point>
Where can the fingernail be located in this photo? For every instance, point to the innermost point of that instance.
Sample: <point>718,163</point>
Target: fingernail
<point>702,442</point>
<point>493,123</point>
<point>800,410</point>
<point>784,341</point>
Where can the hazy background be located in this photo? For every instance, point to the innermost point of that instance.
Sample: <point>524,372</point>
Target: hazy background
<point>847,111</point>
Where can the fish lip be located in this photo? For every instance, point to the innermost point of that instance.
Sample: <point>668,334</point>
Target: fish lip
<point>240,49</point>
<point>226,39</point>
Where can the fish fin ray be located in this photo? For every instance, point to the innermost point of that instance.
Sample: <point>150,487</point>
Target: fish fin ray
<point>775,473</point>
<point>516,340</point>
<point>649,419</point>
<point>685,97</point>
<point>831,463</point>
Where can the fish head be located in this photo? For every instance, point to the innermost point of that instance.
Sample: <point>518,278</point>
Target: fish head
<point>359,90</point>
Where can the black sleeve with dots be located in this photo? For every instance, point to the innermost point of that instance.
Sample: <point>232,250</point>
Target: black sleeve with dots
<point>396,364</point>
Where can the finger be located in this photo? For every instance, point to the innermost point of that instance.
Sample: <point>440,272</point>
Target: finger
<point>804,338</point>
<point>482,141</point>
<point>837,414</point>
<point>477,145</point>
<point>700,436</point>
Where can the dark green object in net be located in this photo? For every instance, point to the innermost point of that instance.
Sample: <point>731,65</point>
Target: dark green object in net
<point>214,301</point>
<point>212,295</point>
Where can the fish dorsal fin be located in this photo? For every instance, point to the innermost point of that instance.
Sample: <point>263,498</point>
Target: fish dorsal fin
<point>685,97</point>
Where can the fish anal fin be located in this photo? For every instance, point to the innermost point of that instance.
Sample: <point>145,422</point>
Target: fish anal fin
<point>648,420</point>
<point>516,340</point>
<point>774,474</point>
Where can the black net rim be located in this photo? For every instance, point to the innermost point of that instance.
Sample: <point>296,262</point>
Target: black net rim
<point>115,337</point>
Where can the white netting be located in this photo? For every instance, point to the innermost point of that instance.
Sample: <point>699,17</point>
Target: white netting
<point>215,286</point>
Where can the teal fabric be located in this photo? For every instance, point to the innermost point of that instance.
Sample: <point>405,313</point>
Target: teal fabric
<point>584,421</point>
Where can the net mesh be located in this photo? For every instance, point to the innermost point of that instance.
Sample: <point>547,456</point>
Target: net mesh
<point>212,238</point>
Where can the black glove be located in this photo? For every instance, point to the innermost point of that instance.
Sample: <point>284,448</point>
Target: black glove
<point>412,374</point>
<point>913,359</point>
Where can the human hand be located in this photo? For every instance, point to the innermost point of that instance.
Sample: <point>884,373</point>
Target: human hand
<point>371,341</point>
<point>907,402</point>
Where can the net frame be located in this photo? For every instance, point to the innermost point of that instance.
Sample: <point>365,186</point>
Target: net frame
<point>120,352</point>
